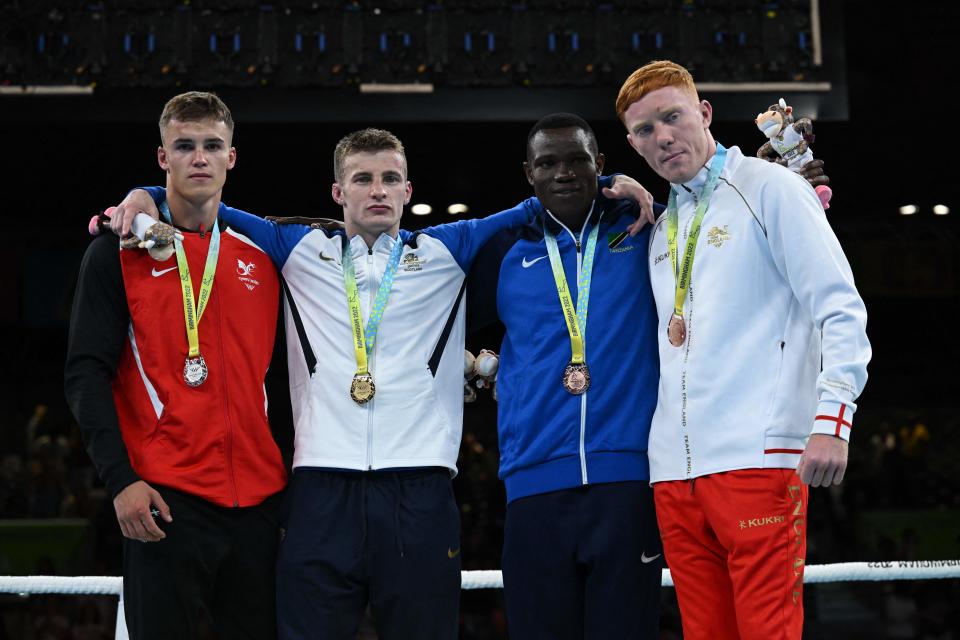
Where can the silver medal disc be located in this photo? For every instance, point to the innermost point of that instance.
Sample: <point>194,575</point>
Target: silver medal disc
<point>195,371</point>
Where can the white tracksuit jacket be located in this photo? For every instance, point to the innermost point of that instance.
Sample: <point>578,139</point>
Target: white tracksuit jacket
<point>416,417</point>
<point>776,343</point>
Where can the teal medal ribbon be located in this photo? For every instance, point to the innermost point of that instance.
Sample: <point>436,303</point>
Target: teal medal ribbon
<point>362,389</point>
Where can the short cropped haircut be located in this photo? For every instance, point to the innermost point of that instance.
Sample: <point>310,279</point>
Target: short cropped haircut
<point>365,141</point>
<point>194,106</point>
<point>563,121</point>
<point>650,77</point>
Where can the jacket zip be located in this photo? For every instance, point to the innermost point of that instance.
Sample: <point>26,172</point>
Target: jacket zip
<point>688,303</point>
<point>225,394</point>
<point>371,282</point>
<point>578,242</point>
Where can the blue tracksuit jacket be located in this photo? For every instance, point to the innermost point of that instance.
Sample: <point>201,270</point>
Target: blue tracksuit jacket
<point>550,439</point>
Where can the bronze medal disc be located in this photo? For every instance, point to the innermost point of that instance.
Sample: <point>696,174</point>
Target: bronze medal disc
<point>676,331</point>
<point>195,371</point>
<point>362,388</point>
<point>576,378</point>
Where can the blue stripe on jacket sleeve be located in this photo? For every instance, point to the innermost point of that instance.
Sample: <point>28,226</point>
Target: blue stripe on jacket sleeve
<point>277,240</point>
<point>465,238</point>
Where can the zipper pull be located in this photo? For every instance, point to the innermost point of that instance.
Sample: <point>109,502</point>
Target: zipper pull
<point>578,246</point>
<point>202,231</point>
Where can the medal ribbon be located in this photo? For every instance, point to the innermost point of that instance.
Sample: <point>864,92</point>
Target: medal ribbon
<point>363,339</point>
<point>193,312</point>
<point>683,271</point>
<point>576,317</point>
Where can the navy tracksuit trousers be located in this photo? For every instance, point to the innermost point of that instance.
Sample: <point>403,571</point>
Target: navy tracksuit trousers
<point>583,564</point>
<point>390,539</point>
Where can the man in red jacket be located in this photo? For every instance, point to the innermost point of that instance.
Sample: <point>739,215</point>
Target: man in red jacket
<point>165,376</point>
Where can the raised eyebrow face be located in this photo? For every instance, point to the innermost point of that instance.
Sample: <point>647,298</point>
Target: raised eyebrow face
<point>662,113</point>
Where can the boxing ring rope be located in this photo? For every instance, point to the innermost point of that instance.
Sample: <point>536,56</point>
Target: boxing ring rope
<point>813,574</point>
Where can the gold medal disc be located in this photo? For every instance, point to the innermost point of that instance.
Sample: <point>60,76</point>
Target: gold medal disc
<point>576,378</point>
<point>676,331</point>
<point>362,388</point>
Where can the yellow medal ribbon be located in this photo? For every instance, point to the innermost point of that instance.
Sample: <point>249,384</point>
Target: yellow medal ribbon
<point>575,316</point>
<point>683,271</point>
<point>363,389</point>
<point>193,312</point>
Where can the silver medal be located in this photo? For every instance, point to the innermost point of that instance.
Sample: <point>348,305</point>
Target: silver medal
<point>195,371</point>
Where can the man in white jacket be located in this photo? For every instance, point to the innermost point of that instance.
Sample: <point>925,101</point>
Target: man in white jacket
<point>763,351</point>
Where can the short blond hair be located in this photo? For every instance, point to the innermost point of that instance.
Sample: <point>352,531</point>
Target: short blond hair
<point>194,106</point>
<point>650,77</point>
<point>365,141</point>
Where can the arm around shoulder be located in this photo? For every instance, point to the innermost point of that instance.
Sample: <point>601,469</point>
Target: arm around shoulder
<point>465,238</point>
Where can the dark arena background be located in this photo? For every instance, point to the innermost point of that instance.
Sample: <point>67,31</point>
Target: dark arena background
<point>82,84</point>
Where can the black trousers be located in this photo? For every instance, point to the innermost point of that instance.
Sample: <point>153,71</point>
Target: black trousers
<point>387,539</point>
<point>217,559</point>
<point>583,564</point>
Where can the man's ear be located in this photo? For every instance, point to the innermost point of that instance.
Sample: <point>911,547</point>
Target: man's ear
<point>408,193</point>
<point>162,159</point>
<point>601,160</point>
<point>528,172</point>
<point>231,158</point>
<point>706,112</point>
<point>337,193</point>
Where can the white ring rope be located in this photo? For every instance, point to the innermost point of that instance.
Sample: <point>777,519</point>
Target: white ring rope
<point>817,573</point>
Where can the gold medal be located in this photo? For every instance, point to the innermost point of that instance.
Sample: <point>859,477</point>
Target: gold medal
<point>362,388</point>
<point>576,378</point>
<point>676,330</point>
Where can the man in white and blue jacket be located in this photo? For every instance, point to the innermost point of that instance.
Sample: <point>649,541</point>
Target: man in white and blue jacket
<point>372,517</point>
<point>582,556</point>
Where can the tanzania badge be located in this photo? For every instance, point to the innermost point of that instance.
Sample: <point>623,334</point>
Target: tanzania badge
<point>362,388</point>
<point>576,378</point>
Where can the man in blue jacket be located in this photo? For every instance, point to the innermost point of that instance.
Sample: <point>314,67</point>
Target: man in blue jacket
<point>576,391</point>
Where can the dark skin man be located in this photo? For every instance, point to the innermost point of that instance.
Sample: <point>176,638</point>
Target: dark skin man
<point>562,167</point>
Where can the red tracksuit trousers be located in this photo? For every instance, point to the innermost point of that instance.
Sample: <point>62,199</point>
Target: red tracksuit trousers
<point>736,545</point>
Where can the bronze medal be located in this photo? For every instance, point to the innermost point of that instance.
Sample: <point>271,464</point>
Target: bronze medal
<point>195,371</point>
<point>676,330</point>
<point>362,388</point>
<point>576,378</point>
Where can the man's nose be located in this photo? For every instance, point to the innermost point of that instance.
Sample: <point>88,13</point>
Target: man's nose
<point>378,189</point>
<point>664,136</point>
<point>199,157</point>
<point>565,171</point>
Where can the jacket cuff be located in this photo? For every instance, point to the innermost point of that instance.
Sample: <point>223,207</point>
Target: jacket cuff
<point>833,418</point>
<point>121,480</point>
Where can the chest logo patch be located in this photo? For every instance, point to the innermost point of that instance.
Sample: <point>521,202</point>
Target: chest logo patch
<point>245,274</point>
<point>718,236</point>
<point>616,242</point>
<point>412,262</point>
